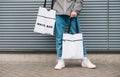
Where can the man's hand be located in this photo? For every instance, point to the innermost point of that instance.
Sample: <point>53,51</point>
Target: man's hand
<point>73,14</point>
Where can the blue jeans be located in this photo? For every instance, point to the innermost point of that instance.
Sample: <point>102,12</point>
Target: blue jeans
<point>61,21</point>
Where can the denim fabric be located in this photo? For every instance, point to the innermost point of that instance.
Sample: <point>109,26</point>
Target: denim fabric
<point>61,21</point>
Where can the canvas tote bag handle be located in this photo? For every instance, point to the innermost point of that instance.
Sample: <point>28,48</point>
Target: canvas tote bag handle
<point>77,30</point>
<point>52,3</point>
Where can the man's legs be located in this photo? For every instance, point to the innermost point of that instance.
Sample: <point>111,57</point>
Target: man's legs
<point>59,30</point>
<point>85,61</point>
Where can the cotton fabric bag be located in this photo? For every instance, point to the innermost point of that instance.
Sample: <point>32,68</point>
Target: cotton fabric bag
<point>72,47</point>
<point>45,21</point>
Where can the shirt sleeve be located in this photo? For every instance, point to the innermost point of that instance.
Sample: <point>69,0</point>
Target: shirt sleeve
<point>78,6</point>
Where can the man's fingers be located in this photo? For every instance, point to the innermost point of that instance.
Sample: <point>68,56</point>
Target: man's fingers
<point>73,14</point>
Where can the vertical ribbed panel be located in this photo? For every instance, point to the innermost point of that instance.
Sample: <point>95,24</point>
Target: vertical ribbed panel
<point>93,18</point>
<point>17,20</point>
<point>114,25</point>
<point>100,25</point>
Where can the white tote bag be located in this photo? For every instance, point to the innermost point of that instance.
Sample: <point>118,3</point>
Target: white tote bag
<point>72,45</point>
<point>45,21</point>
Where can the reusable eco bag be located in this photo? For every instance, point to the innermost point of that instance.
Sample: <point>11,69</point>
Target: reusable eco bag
<point>72,45</point>
<point>45,21</point>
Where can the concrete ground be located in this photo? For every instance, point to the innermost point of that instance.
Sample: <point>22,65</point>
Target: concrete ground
<point>42,65</point>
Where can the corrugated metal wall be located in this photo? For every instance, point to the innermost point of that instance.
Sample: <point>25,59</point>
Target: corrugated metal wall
<point>93,18</point>
<point>99,20</point>
<point>17,20</point>
<point>114,25</point>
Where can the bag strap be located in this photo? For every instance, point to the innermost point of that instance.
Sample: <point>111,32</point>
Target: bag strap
<point>45,3</point>
<point>77,29</point>
<point>52,3</point>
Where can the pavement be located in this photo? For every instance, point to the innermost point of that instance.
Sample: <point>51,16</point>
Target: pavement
<point>42,65</point>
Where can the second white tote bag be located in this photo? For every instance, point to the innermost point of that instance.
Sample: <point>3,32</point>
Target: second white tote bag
<point>45,21</point>
<point>72,45</point>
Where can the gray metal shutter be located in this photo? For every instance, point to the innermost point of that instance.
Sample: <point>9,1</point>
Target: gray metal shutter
<point>99,21</point>
<point>114,25</point>
<point>94,22</point>
<point>17,19</point>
